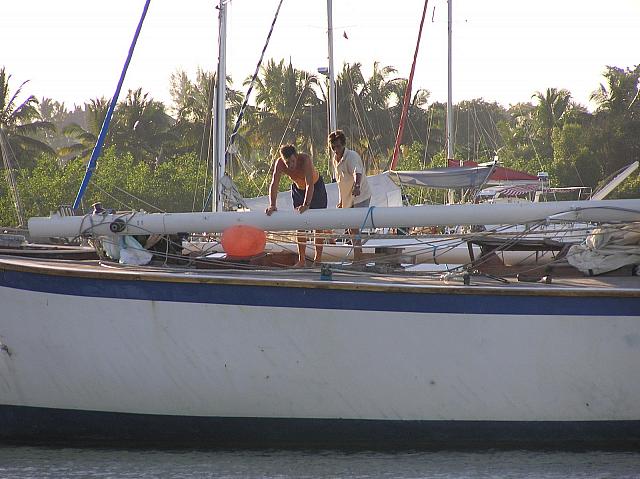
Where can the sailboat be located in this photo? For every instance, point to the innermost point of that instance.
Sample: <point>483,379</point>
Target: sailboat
<point>261,357</point>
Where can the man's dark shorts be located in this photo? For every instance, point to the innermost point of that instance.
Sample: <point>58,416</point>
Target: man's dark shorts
<point>319,199</point>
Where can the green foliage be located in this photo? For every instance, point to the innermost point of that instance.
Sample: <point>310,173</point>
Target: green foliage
<point>617,119</point>
<point>8,215</point>
<point>413,157</point>
<point>575,162</point>
<point>168,187</point>
<point>628,189</point>
<point>256,184</point>
<point>48,185</point>
<point>477,136</point>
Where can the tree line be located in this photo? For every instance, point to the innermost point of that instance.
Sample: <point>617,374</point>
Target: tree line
<point>157,157</point>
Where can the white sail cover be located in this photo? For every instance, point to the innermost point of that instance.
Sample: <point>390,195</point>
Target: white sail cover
<point>607,249</point>
<point>384,192</point>
<point>466,177</point>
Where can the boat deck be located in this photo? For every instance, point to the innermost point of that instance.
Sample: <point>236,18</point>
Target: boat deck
<point>560,279</point>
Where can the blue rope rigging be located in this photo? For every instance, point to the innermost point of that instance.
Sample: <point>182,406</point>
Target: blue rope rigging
<point>91,166</point>
<point>364,223</point>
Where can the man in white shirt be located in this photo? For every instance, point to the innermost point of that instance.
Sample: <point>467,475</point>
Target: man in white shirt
<point>353,187</point>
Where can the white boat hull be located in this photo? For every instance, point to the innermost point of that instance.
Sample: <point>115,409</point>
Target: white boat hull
<point>217,350</point>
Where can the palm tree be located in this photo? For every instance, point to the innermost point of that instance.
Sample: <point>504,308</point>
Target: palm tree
<point>521,144</point>
<point>20,122</point>
<point>84,140</point>
<point>285,101</point>
<point>193,106</point>
<point>142,127</point>
<point>193,128</point>
<point>617,117</point>
<point>55,113</point>
<point>620,93</point>
<point>376,95</point>
<point>362,109</point>
<point>192,101</point>
<point>416,126</point>
<point>349,86</point>
<point>549,112</point>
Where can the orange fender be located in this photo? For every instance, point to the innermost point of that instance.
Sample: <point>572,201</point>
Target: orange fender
<point>243,241</point>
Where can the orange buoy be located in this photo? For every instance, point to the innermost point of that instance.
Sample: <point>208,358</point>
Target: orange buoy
<point>243,241</point>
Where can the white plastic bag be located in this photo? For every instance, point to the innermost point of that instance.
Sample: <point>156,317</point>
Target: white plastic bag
<point>132,252</point>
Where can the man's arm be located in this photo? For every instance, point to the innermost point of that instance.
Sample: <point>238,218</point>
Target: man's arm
<point>308,194</point>
<point>358,170</point>
<point>356,184</point>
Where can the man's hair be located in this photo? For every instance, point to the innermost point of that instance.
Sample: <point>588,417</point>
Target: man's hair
<point>287,150</point>
<point>337,135</point>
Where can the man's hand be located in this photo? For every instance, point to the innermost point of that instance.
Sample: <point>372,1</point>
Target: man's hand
<point>302,208</point>
<point>356,189</point>
<point>270,209</point>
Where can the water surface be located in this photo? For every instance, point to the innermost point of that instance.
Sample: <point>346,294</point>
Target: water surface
<point>60,463</point>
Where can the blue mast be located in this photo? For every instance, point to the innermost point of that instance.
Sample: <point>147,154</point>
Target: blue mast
<point>105,125</point>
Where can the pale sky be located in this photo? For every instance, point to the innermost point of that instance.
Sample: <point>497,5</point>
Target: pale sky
<point>503,50</point>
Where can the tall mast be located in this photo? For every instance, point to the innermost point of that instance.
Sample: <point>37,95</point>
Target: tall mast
<point>220,112</point>
<point>332,82</point>
<point>449,89</point>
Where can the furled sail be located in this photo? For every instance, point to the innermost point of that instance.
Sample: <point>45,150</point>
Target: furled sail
<point>446,178</point>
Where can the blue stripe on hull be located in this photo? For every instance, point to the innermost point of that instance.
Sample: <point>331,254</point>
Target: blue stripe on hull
<point>42,425</point>
<point>341,299</point>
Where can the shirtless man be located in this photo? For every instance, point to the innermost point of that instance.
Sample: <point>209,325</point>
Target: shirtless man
<point>307,192</point>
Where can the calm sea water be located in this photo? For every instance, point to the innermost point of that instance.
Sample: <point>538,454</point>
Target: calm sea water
<point>44,462</point>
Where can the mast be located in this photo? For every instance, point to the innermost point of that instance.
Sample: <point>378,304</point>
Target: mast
<point>449,89</point>
<point>332,82</point>
<point>220,111</point>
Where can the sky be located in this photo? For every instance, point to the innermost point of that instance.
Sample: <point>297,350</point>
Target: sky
<point>503,50</point>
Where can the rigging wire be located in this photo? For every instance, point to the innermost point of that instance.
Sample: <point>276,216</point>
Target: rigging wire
<point>206,139</point>
<point>232,138</point>
<point>284,133</point>
<point>7,153</point>
<point>356,114</point>
<point>367,122</point>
